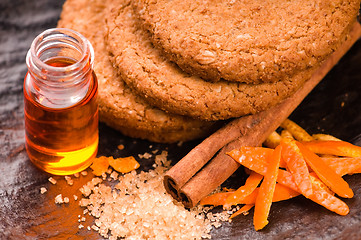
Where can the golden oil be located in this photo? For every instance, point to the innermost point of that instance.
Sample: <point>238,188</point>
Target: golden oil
<point>60,103</point>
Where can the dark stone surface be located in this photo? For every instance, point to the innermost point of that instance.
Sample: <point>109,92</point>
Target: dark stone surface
<point>333,107</point>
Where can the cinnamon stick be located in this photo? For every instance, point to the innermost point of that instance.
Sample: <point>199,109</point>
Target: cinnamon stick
<point>194,176</point>
<point>188,166</point>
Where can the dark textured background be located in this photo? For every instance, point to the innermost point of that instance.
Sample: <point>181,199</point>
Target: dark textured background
<point>333,107</point>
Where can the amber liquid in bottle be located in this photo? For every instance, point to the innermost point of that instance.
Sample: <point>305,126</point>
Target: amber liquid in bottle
<point>61,140</point>
<point>58,140</point>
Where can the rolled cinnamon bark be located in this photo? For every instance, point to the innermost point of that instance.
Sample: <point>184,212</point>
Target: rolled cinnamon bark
<point>189,180</point>
<point>188,166</point>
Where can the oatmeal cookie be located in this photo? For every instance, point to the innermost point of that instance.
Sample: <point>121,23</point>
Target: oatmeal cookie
<point>118,106</point>
<point>247,41</point>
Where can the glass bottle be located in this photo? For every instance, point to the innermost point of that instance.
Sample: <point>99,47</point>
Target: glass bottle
<point>60,102</point>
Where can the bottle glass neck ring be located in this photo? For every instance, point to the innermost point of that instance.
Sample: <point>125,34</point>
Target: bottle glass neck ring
<point>60,68</point>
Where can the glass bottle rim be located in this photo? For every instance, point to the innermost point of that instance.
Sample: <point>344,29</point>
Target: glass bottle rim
<point>87,54</point>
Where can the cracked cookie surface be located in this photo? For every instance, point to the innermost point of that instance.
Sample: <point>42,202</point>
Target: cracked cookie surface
<point>118,106</point>
<point>153,76</point>
<point>250,41</point>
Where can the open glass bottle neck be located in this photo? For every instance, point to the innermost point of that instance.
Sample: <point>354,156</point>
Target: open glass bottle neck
<point>60,68</point>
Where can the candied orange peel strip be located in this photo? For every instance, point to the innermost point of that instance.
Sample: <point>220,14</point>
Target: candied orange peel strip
<point>100,165</point>
<point>296,131</point>
<point>282,193</point>
<point>336,148</point>
<point>266,191</point>
<point>218,199</point>
<point>124,165</point>
<point>343,165</point>
<point>297,166</point>
<point>242,210</point>
<point>332,203</point>
<point>326,173</point>
<point>316,180</point>
<point>273,140</point>
<point>251,184</point>
<point>245,157</point>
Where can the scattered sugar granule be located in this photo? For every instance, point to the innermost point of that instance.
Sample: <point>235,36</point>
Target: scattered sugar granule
<point>120,146</point>
<point>76,175</point>
<point>245,213</point>
<point>68,180</point>
<point>88,228</point>
<point>84,173</point>
<point>145,155</point>
<point>59,199</point>
<point>95,181</point>
<point>43,190</point>
<point>85,190</point>
<point>95,228</point>
<point>81,226</point>
<point>52,180</point>
<point>75,197</point>
<point>66,200</point>
<point>104,176</point>
<point>114,175</point>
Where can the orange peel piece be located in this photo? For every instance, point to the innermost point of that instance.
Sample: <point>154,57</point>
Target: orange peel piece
<point>343,165</point>
<point>251,184</point>
<point>100,165</point>
<point>326,173</point>
<point>266,191</point>
<point>243,210</point>
<point>337,148</point>
<point>124,165</point>
<point>297,166</point>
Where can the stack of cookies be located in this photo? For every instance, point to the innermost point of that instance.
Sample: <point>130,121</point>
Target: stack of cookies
<point>172,70</point>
